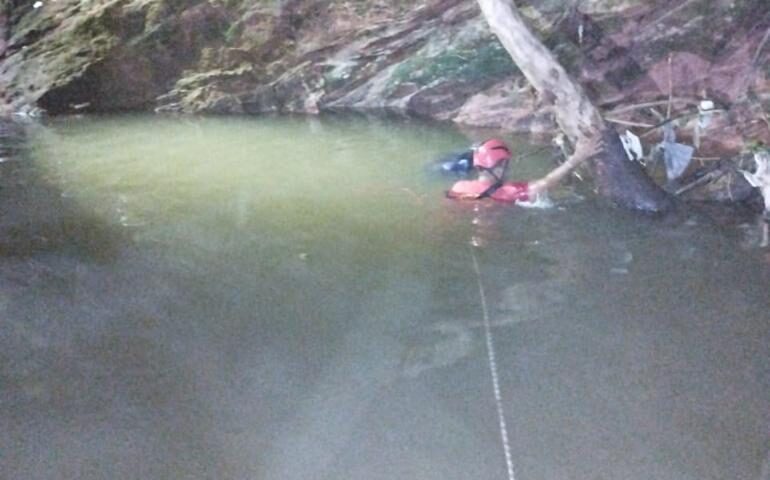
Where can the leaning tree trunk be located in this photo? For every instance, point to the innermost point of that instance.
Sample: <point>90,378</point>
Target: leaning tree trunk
<point>623,182</point>
<point>4,23</point>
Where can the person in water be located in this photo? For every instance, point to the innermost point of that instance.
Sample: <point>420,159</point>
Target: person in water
<point>490,160</point>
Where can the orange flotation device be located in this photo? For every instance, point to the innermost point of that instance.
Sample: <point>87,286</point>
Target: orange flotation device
<point>476,189</point>
<point>490,155</point>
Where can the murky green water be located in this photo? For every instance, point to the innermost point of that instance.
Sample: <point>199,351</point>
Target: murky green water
<point>291,298</point>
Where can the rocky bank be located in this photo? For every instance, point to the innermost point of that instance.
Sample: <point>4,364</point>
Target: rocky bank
<point>433,58</point>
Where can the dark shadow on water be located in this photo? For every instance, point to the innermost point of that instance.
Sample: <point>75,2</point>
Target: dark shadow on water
<point>87,390</point>
<point>35,218</point>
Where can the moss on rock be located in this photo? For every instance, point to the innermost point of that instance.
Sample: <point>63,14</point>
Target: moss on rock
<point>465,64</point>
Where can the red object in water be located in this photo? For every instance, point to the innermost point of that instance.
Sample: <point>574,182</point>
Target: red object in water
<point>473,189</point>
<point>491,153</point>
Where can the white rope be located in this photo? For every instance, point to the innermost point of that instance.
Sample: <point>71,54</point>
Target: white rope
<point>493,370</point>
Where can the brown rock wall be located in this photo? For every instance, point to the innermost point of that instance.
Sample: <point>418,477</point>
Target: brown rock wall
<point>433,58</point>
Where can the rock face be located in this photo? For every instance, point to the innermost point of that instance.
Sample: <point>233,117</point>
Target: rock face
<point>102,56</point>
<point>434,58</point>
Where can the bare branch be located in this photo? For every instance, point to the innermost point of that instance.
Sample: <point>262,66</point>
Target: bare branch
<point>627,122</point>
<point>640,106</point>
<point>760,47</point>
<point>584,150</point>
<point>624,182</point>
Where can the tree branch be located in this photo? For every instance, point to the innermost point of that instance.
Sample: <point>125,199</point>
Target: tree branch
<point>624,182</point>
<point>575,113</point>
<point>584,150</point>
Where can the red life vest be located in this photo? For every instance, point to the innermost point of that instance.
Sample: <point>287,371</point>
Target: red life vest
<point>474,189</point>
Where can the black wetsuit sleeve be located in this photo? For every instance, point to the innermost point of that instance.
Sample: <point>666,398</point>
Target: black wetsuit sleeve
<point>466,155</point>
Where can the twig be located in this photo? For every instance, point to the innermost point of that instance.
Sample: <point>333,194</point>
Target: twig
<point>707,178</point>
<point>657,114</point>
<point>763,115</point>
<point>761,46</point>
<point>670,86</point>
<point>669,13</point>
<point>639,106</point>
<point>669,120</point>
<point>627,122</point>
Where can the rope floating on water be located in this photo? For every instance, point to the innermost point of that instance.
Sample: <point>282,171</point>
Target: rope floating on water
<point>493,370</point>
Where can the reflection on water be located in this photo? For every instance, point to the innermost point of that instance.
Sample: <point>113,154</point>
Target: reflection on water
<point>286,298</point>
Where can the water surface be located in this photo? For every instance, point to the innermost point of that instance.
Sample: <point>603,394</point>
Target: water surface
<point>291,298</point>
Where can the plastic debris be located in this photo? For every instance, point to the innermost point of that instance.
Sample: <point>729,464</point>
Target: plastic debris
<point>705,113</point>
<point>760,178</point>
<point>37,4</point>
<point>677,156</point>
<point>633,146</point>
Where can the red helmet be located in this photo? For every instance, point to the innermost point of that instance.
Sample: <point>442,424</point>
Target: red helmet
<point>491,153</point>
